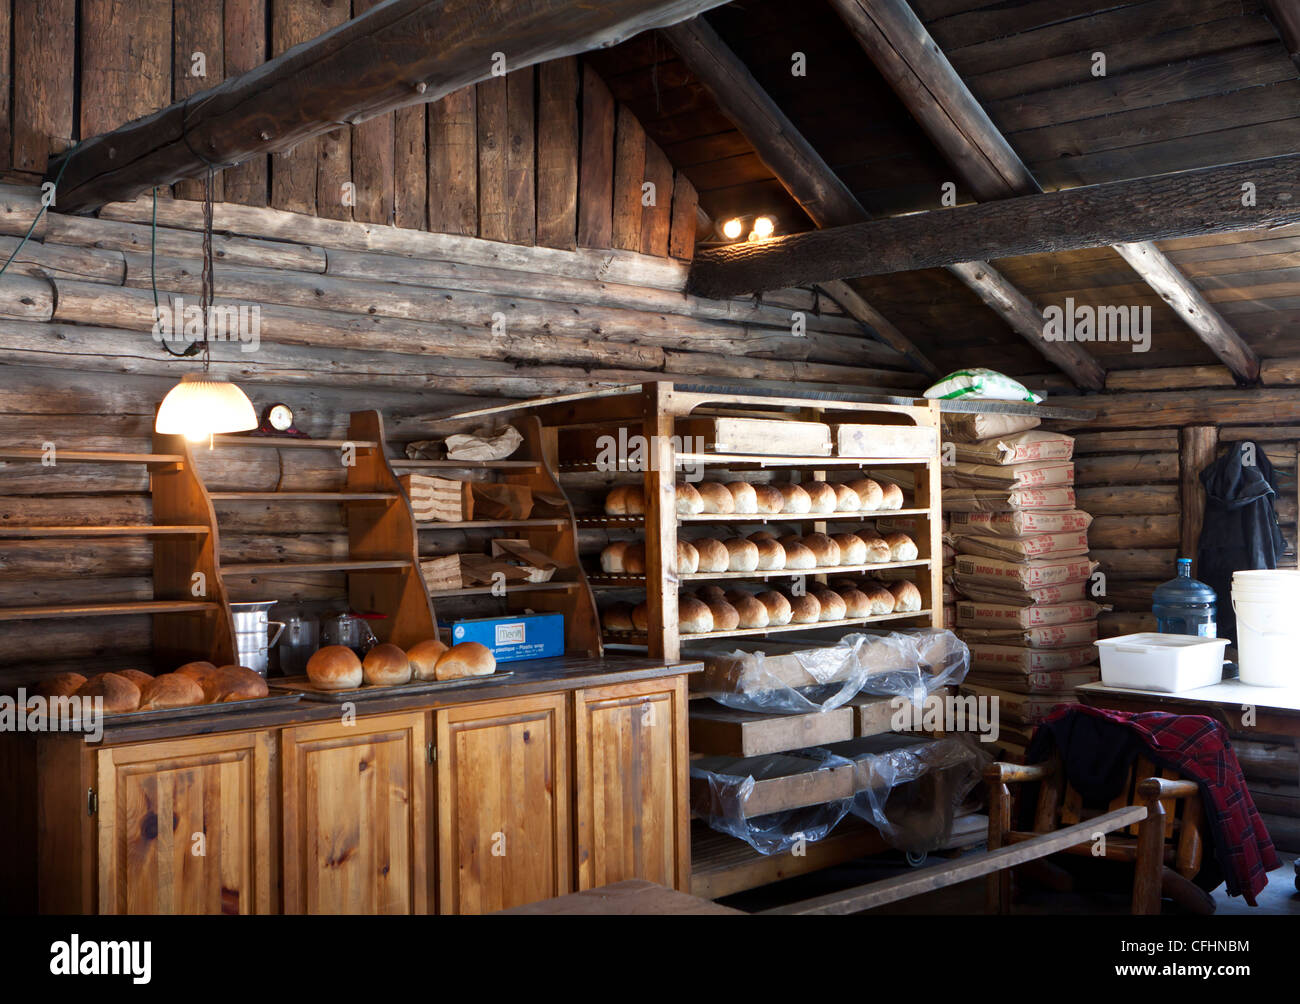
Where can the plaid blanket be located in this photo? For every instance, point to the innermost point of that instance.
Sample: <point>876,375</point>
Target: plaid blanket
<point>1098,747</point>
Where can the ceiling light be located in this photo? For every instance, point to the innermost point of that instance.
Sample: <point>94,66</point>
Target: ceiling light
<point>199,408</point>
<point>764,227</point>
<point>732,229</point>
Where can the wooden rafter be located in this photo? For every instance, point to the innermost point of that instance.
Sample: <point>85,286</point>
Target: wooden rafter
<point>914,65</point>
<point>398,53</point>
<point>1285,15</point>
<point>828,201</point>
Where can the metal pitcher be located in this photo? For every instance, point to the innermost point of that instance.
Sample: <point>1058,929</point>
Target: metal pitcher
<point>251,628</point>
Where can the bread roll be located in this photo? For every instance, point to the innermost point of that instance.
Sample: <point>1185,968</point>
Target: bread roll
<point>798,557</point>
<point>634,558</point>
<point>423,657</point>
<point>616,501</point>
<point>170,690</point>
<point>778,607</point>
<point>753,613</point>
<point>725,616</point>
<point>892,497</point>
<point>233,683</point>
<point>853,549</point>
<point>794,499</point>
<point>901,547</point>
<point>197,669</point>
<point>469,658</point>
<point>711,592</point>
<point>689,502</point>
<point>825,550</point>
<point>617,617</point>
<point>67,684</point>
<point>713,555</point>
<point>688,559</point>
<point>137,676</point>
<point>805,609</point>
<point>770,499</point>
<point>846,499</point>
<point>882,600</point>
<point>634,500</point>
<point>717,500</point>
<point>693,616</point>
<point>117,693</point>
<point>742,554</point>
<point>760,535</point>
<point>386,665</point>
<point>821,495</point>
<point>771,555</point>
<point>856,603</point>
<point>906,596</point>
<point>877,549</point>
<point>833,607</point>
<point>611,559</point>
<point>641,617</point>
<point>744,496</point>
<point>334,667</point>
<point>869,493</point>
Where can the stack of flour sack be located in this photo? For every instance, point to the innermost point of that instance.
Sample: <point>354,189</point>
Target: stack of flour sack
<point>1026,601</point>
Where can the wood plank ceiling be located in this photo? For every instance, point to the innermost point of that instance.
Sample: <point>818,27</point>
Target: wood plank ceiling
<point>1188,83</point>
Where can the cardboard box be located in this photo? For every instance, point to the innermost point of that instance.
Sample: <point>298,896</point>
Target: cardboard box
<point>514,639</point>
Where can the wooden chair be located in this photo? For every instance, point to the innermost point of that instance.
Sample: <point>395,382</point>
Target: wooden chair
<point>1166,848</point>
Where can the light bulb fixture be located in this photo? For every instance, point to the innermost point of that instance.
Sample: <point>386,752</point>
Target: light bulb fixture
<point>763,228</point>
<point>732,229</point>
<point>199,408</point>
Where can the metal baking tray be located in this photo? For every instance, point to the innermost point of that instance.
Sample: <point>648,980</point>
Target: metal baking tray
<point>368,691</point>
<point>202,710</point>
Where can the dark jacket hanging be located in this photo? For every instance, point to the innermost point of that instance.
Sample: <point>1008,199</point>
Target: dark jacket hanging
<point>1240,529</point>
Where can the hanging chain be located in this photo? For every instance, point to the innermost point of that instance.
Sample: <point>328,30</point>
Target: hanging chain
<point>207,294</point>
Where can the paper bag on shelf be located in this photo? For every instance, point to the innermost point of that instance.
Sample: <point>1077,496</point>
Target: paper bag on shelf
<point>437,500</point>
<point>499,501</point>
<point>537,565</point>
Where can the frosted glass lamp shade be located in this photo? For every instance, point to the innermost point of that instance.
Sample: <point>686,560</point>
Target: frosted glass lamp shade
<point>198,408</point>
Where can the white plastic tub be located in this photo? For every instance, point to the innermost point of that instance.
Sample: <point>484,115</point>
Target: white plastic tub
<point>1267,602</point>
<point>1168,663</point>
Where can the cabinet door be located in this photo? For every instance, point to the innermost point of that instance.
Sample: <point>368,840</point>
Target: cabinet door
<point>630,776</point>
<point>185,826</point>
<point>503,804</point>
<point>356,826</point>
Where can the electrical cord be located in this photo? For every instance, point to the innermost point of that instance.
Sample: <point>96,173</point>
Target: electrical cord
<point>193,347</point>
<point>41,212</point>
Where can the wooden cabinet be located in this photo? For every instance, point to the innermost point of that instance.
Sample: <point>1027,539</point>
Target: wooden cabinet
<point>630,765</point>
<point>356,827</point>
<point>186,826</point>
<point>503,803</point>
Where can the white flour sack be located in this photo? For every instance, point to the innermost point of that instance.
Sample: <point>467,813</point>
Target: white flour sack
<point>981,385</point>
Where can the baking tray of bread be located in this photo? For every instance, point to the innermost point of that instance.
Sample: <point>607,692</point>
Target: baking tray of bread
<point>278,700</point>
<point>369,691</point>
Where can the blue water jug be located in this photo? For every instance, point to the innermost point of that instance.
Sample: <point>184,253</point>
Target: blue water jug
<point>1184,605</point>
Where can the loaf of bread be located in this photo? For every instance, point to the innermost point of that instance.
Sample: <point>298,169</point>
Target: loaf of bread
<point>824,548</point>
<point>856,603</point>
<point>117,693</point>
<point>170,690</point>
<point>423,657</point>
<point>778,607</point>
<point>641,617</point>
<point>882,600</point>
<point>711,592</point>
<point>469,658</point>
<point>725,616</point>
<point>833,606</point>
<point>611,559</point>
<point>387,665</point>
<point>634,558</point>
<point>753,613</point>
<point>67,684</point>
<point>198,670</point>
<point>744,496</point>
<point>233,683</point>
<point>877,548</point>
<point>846,499</point>
<point>689,502</point>
<point>869,493</point>
<point>693,616</point>
<point>137,676</point>
<point>713,555</point>
<point>821,495</point>
<point>771,555</point>
<point>805,609</point>
<point>901,547</point>
<point>717,500</point>
<point>794,499</point>
<point>625,500</point>
<point>688,558</point>
<point>770,499</point>
<point>742,554</point>
<point>334,667</point>
<point>906,596</point>
<point>760,535</point>
<point>798,557</point>
<point>891,497</point>
<point>853,549</point>
<point>617,617</point>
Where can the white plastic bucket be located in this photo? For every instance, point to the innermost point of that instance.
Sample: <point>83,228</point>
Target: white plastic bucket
<point>1267,604</point>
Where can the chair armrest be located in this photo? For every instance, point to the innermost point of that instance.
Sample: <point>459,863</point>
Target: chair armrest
<point>1153,789</point>
<point>1007,773</point>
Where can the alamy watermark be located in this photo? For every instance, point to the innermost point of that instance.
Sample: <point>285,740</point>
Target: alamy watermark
<point>636,453</point>
<point>1106,323</point>
<point>182,322</point>
<point>53,714</point>
<point>950,713</point>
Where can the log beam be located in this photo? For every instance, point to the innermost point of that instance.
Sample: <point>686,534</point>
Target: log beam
<point>398,53</point>
<point>1185,204</point>
<point>1285,15</point>
<point>914,65</point>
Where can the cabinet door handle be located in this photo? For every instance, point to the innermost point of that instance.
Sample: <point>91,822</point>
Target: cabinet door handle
<point>431,753</point>
<point>92,802</point>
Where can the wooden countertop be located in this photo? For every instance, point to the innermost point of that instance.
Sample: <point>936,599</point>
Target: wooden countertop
<point>534,676</point>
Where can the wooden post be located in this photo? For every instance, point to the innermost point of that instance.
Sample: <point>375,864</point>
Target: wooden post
<point>1198,445</point>
<point>661,523</point>
<point>998,891</point>
<point>1150,865</point>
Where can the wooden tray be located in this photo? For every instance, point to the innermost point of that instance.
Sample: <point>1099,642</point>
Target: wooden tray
<point>367,691</point>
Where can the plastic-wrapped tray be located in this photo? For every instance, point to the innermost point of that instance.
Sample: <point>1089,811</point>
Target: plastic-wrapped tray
<point>367,691</point>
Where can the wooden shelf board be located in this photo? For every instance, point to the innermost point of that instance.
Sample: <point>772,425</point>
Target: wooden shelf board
<point>293,443</point>
<point>274,567</point>
<point>517,587</point>
<point>92,457</point>
<point>102,531</point>
<point>635,638</point>
<point>597,579</point>
<point>302,496</point>
<point>105,609</point>
<point>596,522</point>
<point>492,524</point>
<point>738,459</point>
<point>470,465</point>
